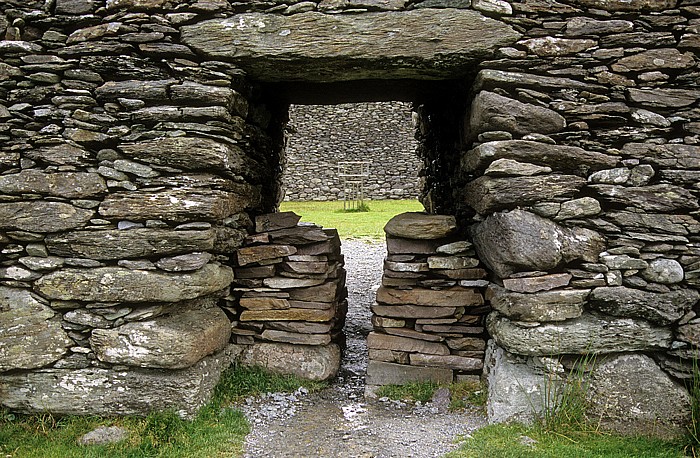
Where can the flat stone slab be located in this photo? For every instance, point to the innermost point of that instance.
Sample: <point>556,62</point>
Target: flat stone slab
<point>452,297</point>
<point>659,308</point>
<point>556,305</point>
<point>109,393</point>
<point>313,362</point>
<point>116,284</point>
<point>31,216</point>
<point>174,341</point>
<point>383,373</point>
<point>419,44</point>
<point>421,226</point>
<point>73,185</point>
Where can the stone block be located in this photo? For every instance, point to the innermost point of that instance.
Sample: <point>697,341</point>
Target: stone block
<point>421,226</point>
<point>72,185</point>
<point>108,393</point>
<point>545,306</point>
<point>295,337</point>
<point>455,362</point>
<point>290,314</point>
<point>379,341</point>
<point>659,308</point>
<point>413,311</point>
<point>384,373</point>
<point>313,362</point>
<point>535,284</point>
<point>450,297</point>
<point>31,216</point>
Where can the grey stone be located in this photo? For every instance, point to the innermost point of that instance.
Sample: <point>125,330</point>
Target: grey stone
<point>554,47</point>
<point>623,262</point>
<point>372,45</point>
<point>134,168</point>
<point>449,297</point>
<point>384,373</point>
<point>491,111</point>
<point>313,362</point>
<point>578,26</point>
<point>295,337</point>
<point>667,155</point>
<point>449,361</point>
<point>559,305</point>
<point>631,395</point>
<point>31,216</point>
<point>626,5</point>
<point>124,285</point>
<point>578,208</point>
<point>452,262</point>
<point>275,221</point>
<point>654,59</point>
<point>584,335</point>
<point>18,273</point>
<point>663,97</point>
<point>104,435</point>
<point>658,308</point>
<point>568,159</point>
<point>421,226</point>
<point>378,341</point>
<point>413,311</point>
<point>489,79</point>
<point>72,185</point>
<point>30,337</point>
<point>510,167</point>
<point>289,283</point>
<point>249,255</point>
<point>665,271</point>
<point>184,262</point>
<point>493,6</point>
<point>134,243</point>
<point>658,197</point>
<point>521,241</point>
<point>536,283</point>
<point>174,341</point>
<point>618,175</point>
<point>106,392</point>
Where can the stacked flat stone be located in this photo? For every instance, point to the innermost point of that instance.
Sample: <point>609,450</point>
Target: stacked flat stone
<point>289,296</point>
<point>429,313</point>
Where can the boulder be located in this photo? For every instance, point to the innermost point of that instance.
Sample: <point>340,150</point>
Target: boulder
<point>490,111</point>
<point>631,395</point>
<point>313,362</point>
<point>30,336</point>
<point>382,45</point>
<point>133,243</point>
<point>665,271</point>
<point>174,341</point>
<point>116,284</point>
<point>659,308</point>
<point>105,392</point>
<point>588,333</point>
<point>421,226</point>
<point>30,216</point>
<point>559,305</point>
<point>488,194</point>
<point>514,241</point>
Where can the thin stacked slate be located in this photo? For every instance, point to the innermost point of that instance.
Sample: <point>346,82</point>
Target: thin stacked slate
<point>289,288</point>
<point>429,313</point>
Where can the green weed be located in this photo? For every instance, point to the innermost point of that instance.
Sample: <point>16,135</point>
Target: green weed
<point>462,394</point>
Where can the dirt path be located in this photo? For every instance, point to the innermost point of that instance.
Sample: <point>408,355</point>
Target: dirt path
<point>339,421</point>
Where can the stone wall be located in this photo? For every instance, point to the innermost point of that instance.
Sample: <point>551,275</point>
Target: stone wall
<point>321,136</point>
<point>140,139</point>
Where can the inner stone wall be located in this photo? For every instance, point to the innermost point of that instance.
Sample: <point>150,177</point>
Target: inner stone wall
<point>138,148</point>
<point>320,136</point>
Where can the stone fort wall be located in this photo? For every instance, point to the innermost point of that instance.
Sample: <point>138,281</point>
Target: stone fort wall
<point>321,136</point>
<point>141,141</point>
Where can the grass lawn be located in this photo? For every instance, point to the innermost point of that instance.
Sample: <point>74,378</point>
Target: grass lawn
<point>352,225</point>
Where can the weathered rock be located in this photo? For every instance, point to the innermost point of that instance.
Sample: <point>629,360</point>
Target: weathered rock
<point>413,311</point>
<point>249,255</point>
<point>663,97</point>
<point>326,292</point>
<point>372,45</point>
<point>671,224</point>
<point>31,216</point>
<point>553,47</point>
<point>106,392</point>
<point>295,337</point>
<point>545,306</point>
<point>490,79</point>
<point>132,243</point>
<point>397,245</point>
<point>184,262</point>
<point>450,297</point>
<point>578,26</point>
<point>586,334</point>
<point>521,241</point>
<point>509,168</point>
<point>626,5</point>
<point>384,373</point>
<point>379,341</point>
<point>177,205</point>
<point>491,111</point>
<point>569,159</point>
<point>665,271</point>
<point>288,283</point>
<point>313,362</point>
<point>631,395</point>
<point>668,155</point>
<point>659,308</point>
<point>487,194</point>
<point>421,226</point>
<point>299,235</point>
<point>30,337</point>
<point>73,185</point>
<point>452,262</point>
<point>115,284</point>
<point>275,221</point>
<point>448,361</point>
<point>263,303</point>
<point>654,59</point>
<point>655,198</point>
<point>289,314</point>
<point>535,284</point>
<point>173,341</point>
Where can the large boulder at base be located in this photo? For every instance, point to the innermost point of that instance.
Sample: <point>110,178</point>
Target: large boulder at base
<point>389,45</point>
<point>491,111</point>
<point>173,341</point>
<point>517,390</point>
<point>631,395</point>
<point>587,334</point>
<point>30,336</point>
<point>313,362</point>
<point>514,241</point>
<point>118,284</point>
<point>422,226</point>
<point>108,392</point>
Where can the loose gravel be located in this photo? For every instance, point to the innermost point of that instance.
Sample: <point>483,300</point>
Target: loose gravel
<point>339,421</point>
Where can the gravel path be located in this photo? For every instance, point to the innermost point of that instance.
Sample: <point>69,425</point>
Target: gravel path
<point>339,421</point>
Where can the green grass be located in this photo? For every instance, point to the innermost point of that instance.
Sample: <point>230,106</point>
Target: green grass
<point>462,393</point>
<point>219,429</point>
<point>506,441</point>
<point>352,225</point>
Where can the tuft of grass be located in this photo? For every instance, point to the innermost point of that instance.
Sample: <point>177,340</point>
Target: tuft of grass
<point>519,441</point>
<point>352,225</point>
<point>693,436</point>
<point>462,394</point>
<point>218,430</point>
<point>359,208</point>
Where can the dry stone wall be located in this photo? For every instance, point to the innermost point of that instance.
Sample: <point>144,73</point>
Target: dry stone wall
<point>380,133</point>
<point>141,138</point>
